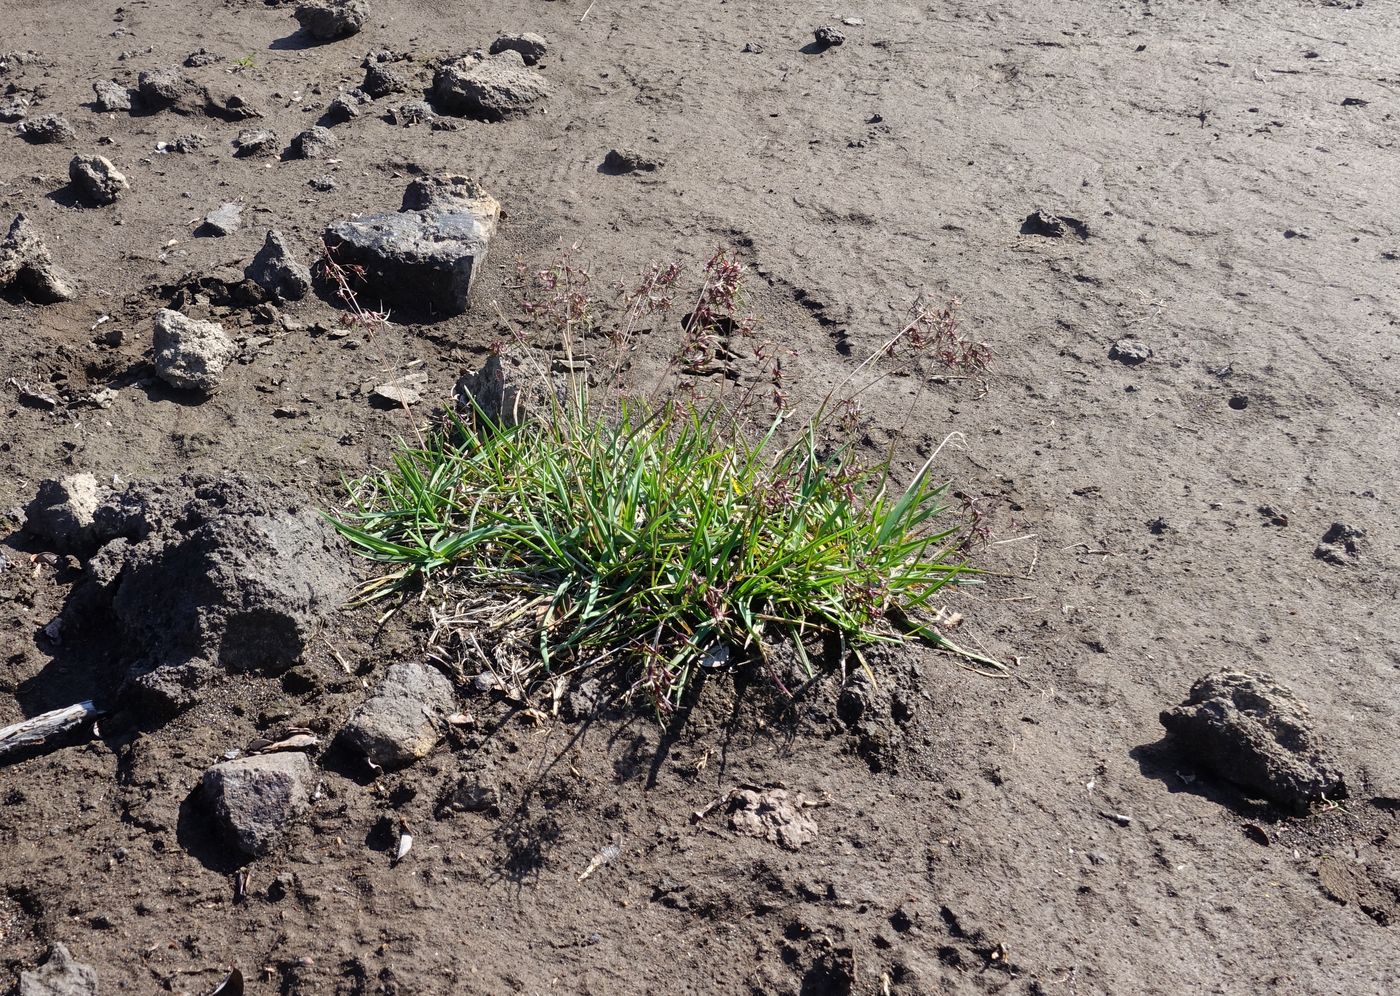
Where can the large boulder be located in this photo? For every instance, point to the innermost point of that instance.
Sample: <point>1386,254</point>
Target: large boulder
<point>1251,730</point>
<point>255,799</point>
<point>190,355</point>
<point>424,259</point>
<point>489,89</point>
<point>399,723</point>
<point>25,266</point>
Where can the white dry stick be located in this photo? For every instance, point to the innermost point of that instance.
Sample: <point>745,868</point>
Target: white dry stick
<point>35,731</point>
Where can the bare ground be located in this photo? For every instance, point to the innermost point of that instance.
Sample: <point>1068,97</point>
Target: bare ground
<point>1242,221</point>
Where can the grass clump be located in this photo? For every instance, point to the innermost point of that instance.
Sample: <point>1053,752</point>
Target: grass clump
<point>663,536</point>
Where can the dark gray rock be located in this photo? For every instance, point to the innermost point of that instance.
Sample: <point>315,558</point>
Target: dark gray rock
<point>327,20</point>
<point>59,976</point>
<point>1130,352</point>
<point>255,142</point>
<point>192,142</point>
<point>190,355</point>
<point>109,95</point>
<point>276,270</point>
<point>381,81</point>
<point>1340,545</point>
<point>26,266</point>
<point>1253,731</point>
<point>62,511</point>
<point>829,37</point>
<point>532,47</point>
<point>469,794</point>
<point>399,724</point>
<point>490,89</point>
<point>201,58</point>
<point>619,161</point>
<point>223,220</point>
<point>412,113</point>
<point>224,573</point>
<point>314,143</point>
<point>228,105</point>
<point>493,393</point>
<point>167,89</point>
<point>347,105</point>
<point>96,180</point>
<point>47,129</point>
<point>420,260</point>
<point>255,799</point>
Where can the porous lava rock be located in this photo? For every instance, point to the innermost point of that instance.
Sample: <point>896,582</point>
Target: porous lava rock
<point>1249,729</point>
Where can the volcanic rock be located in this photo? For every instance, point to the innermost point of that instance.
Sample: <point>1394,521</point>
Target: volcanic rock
<point>255,799</point>
<point>1251,730</point>
<point>96,179</point>
<point>190,355</point>
<point>489,89</point>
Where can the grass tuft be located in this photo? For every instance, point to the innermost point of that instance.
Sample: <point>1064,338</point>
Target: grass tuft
<point>671,535</point>
<point>664,536</point>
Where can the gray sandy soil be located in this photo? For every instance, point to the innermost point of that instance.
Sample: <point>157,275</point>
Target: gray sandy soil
<point>1236,172</point>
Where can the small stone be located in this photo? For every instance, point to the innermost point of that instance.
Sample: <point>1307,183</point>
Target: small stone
<point>13,108</point>
<point>189,354</point>
<point>412,113</point>
<point>96,179</point>
<point>532,47</point>
<point>1252,730</point>
<point>492,393</point>
<point>620,161</point>
<point>111,96</point>
<point>1130,352</point>
<point>491,89</point>
<point>25,264</point>
<point>773,815</point>
<point>322,184</point>
<point>61,513</point>
<point>229,106</point>
<point>314,143</point>
<point>395,395</point>
<point>159,89</point>
<point>399,724</point>
<point>1340,545</point>
<point>47,129</point>
<point>347,105</point>
<point>380,81</point>
<point>192,142</point>
<point>59,976</point>
<point>276,270</point>
<point>1053,226</point>
<point>255,142</point>
<point>254,799</point>
<point>201,58</point>
<point>224,220</point>
<point>829,37</point>
<point>469,794</point>
<point>327,20</point>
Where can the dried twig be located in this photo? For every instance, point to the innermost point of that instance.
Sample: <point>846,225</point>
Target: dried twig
<point>36,730</point>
